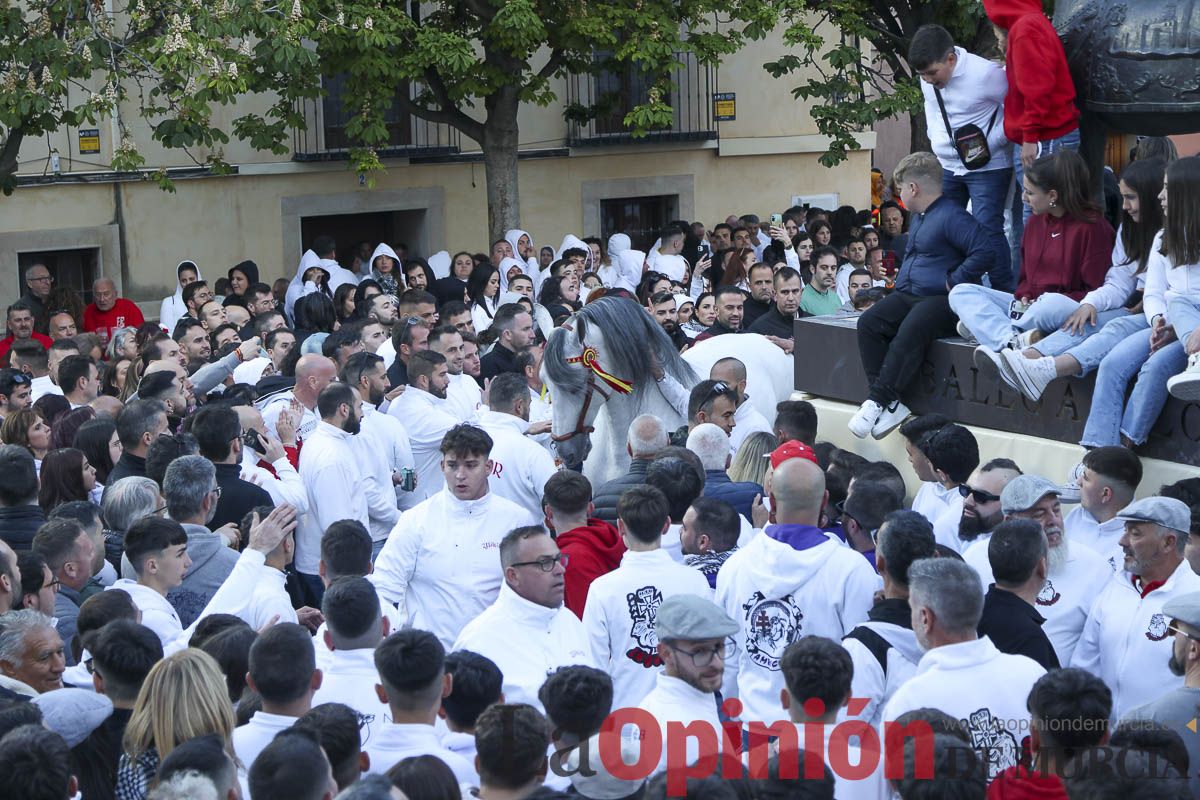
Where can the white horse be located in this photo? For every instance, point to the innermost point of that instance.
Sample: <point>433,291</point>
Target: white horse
<point>602,366</point>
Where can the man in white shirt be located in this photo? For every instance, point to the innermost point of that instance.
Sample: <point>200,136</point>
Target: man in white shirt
<point>981,511</point>
<point>270,602</point>
<point>953,454</point>
<point>960,89</point>
<point>157,549</point>
<point>463,395</point>
<point>817,674</point>
<point>522,466</point>
<point>346,552</point>
<point>528,632</point>
<point>354,627</point>
<point>933,499</point>
<point>666,257</point>
<point>695,639</point>
<point>790,581</point>
<point>383,309</point>
<point>377,445</point>
<point>313,373</point>
<point>1126,641</point>
<point>1076,573</point>
<point>31,357</point>
<point>441,562</point>
<point>423,412</point>
<point>478,684</point>
<point>284,485</point>
<point>1109,482</point>
<point>961,674</point>
<point>413,682</point>
<point>331,470</point>
<point>79,379</point>
<point>746,418</point>
<point>883,648</point>
<point>622,605</point>
<point>283,671</point>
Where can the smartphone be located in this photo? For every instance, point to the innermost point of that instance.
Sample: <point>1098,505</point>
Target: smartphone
<point>252,440</point>
<point>777,220</point>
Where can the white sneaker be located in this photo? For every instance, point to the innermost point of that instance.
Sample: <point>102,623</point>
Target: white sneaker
<point>864,419</point>
<point>988,362</point>
<point>890,419</point>
<point>964,331</point>
<point>1031,375</point>
<point>1186,385</point>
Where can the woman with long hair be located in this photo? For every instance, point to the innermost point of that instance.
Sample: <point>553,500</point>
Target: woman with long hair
<point>483,293</point>
<point>183,696</point>
<point>66,475</point>
<point>456,285</point>
<point>314,314</point>
<point>343,302</point>
<point>821,232</point>
<point>385,270</point>
<point>703,315</point>
<point>63,429</point>
<point>1121,295</point>
<point>1066,251</point>
<point>241,277</point>
<point>367,289</point>
<point>733,269</point>
<point>173,308</point>
<point>750,463</point>
<point>97,439</point>
<point>556,297</point>
<point>27,428</point>
<point>651,284</point>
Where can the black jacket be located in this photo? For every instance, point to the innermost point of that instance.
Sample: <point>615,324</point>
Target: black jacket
<point>238,497</point>
<point>18,524</point>
<point>605,498</point>
<point>398,373</point>
<point>774,323</point>
<point>753,309</point>
<point>499,359</point>
<point>127,465</point>
<point>1015,627</point>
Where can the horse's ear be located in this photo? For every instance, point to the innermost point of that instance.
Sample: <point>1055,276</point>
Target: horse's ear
<point>580,327</point>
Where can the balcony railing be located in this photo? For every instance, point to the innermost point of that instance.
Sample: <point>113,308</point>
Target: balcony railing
<point>324,136</point>
<point>623,89</point>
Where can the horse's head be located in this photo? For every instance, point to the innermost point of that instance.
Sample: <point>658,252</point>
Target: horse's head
<point>573,367</point>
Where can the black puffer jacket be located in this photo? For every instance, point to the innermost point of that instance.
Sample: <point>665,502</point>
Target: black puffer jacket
<point>605,498</point>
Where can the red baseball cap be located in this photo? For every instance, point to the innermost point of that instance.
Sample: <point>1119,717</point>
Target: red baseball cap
<point>789,450</point>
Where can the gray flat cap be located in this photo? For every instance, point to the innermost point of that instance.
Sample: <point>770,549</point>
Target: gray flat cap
<point>1023,492</point>
<point>1185,608</point>
<point>1165,511</point>
<point>690,617</point>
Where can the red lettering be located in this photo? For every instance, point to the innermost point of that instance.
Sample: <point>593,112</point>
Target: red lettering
<point>839,750</point>
<point>678,768</point>
<point>649,738</point>
<point>894,735</point>
<point>760,749</point>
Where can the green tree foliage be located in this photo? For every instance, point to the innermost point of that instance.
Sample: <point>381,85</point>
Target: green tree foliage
<point>855,54</point>
<point>65,63</point>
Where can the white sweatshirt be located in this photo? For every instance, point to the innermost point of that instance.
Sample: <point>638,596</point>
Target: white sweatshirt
<point>620,613</point>
<point>325,655</point>
<point>375,465</point>
<point>330,469</point>
<point>1101,537</point>
<point>977,684</point>
<point>747,420</point>
<point>673,700</point>
<point>976,89</point>
<point>1119,282</point>
<point>393,743</point>
<point>157,614</point>
<point>870,682</point>
<point>349,677</point>
<point>933,499</point>
<point>276,403</point>
<point>285,486</point>
<point>269,600</point>
<point>1165,282</point>
<point>945,527</point>
<point>389,439</point>
<point>1125,641</point>
<point>442,560</point>
<point>463,397</point>
<point>427,421</point>
<point>779,594</point>
<point>521,466</point>
<point>527,641</point>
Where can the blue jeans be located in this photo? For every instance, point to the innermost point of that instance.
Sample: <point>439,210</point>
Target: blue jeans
<point>1021,212</point>
<point>987,191</point>
<point>1184,315</point>
<point>1052,311</point>
<point>377,548</point>
<point>1110,416</point>
<point>1090,352</point>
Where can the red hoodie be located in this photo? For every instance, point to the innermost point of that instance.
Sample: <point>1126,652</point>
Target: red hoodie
<point>1018,783</point>
<point>594,550</point>
<point>1041,95</point>
<point>1064,255</point>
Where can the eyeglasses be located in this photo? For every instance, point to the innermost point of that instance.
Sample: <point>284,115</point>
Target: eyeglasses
<point>47,278</point>
<point>55,582</point>
<point>216,490</point>
<point>160,509</point>
<point>719,389</point>
<point>704,656</point>
<point>841,509</point>
<point>979,495</point>
<point>1173,628</point>
<point>545,563</point>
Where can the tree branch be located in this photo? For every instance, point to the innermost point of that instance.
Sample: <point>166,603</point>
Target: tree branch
<point>10,151</point>
<point>556,60</point>
<point>453,116</point>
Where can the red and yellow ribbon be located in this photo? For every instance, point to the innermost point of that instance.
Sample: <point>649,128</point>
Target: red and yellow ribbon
<point>589,359</point>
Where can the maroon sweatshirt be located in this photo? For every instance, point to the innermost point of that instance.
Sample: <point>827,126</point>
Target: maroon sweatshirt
<point>593,550</point>
<point>1064,255</point>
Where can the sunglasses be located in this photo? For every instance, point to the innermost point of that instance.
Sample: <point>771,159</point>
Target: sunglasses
<point>719,389</point>
<point>979,495</point>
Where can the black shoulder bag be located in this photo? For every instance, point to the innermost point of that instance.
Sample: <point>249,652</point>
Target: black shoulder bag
<point>969,141</point>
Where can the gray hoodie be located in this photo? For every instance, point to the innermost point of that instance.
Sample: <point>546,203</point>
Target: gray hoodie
<point>212,562</point>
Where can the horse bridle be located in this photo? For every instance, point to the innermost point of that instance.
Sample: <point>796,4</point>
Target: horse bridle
<point>591,387</point>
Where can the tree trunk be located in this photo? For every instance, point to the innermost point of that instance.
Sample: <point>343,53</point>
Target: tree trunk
<point>500,137</point>
<point>918,134</point>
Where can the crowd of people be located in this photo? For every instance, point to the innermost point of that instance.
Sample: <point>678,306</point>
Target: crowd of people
<point>311,539</point>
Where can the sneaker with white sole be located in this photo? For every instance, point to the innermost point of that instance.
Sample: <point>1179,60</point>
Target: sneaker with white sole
<point>988,362</point>
<point>964,331</point>
<point>1031,375</point>
<point>1186,385</point>
<point>890,419</point>
<point>865,418</point>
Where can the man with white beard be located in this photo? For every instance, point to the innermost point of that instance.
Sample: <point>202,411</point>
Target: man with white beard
<point>981,505</point>
<point>1077,574</point>
<point>1110,479</point>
